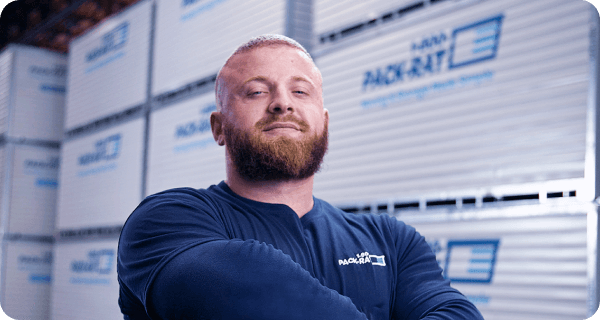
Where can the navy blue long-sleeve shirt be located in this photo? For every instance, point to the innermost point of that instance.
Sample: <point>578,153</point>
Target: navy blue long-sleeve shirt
<point>211,254</point>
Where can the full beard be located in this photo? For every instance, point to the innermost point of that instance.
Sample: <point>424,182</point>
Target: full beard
<point>258,158</point>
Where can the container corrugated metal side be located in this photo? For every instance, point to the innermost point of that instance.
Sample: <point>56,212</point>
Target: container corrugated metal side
<point>492,95</point>
<point>85,282</point>
<point>40,78</point>
<point>517,262</point>
<point>331,15</point>
<point>300,22</point>
<point>4,202</point>
<point>100,177</point>
<point>6,58</point>
<point>33,190</point>
<point>32,87</point>
<point>182,151</point>
<point>108,67</point>
<point>194,38</point>
<point>27,280</point>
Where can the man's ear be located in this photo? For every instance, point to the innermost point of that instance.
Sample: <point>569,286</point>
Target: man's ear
<point>216,125</point>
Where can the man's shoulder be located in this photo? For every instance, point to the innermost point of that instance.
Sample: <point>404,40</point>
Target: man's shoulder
<point>174,197</point>
<point>175,203</point>
<point>181,193</point>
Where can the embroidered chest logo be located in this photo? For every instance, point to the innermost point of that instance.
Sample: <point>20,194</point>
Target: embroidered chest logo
<point>363,258</point>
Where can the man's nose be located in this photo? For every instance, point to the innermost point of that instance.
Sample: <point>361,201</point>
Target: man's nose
<point>281,103</point>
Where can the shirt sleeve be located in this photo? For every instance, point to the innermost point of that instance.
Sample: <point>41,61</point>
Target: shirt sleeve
<point>177,259</point>
<point>421,290</point>
<point>243,280</point>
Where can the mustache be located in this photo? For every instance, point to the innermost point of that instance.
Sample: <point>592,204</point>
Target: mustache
<point>287,118</point>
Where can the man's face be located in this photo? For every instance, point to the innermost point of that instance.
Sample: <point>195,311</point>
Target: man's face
<point>273,121</point>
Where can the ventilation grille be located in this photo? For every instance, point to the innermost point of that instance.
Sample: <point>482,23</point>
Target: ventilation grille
<point>105,122</point>
<point>365,25</point>
<point>457,203</point>
<point>197,87</point>
<point>99,232</point>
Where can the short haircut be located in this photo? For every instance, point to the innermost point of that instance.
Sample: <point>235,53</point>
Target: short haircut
<point>264,40</point>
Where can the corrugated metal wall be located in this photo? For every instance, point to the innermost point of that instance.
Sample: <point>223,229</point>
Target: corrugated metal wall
<point>411,117</point>
<point>5,83</point>
<point>101,177</point>
<point>27,281</point>
<point>118,44</point>
<point>85,280</point>
<point>330,15</point>
<point>523,262</point>
<point>182,151</point>
<point>33,190</point>
<point>32,88</point>
<point>194,39</point>
<point>473,121</point>
<point>102,161</point>
<point>39,92</point>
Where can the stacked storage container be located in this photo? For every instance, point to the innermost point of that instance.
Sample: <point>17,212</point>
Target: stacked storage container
<point>102,161</point>
<point>475,122</point>
<point>32,89</point>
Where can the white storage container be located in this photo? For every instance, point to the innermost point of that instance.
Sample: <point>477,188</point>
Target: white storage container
<point>108,67</point>
<point>496,94</point>
<point>27,279</point>
<point>101,177</point>
<point>194,38</point>
<point>33,187</point>
<point>522,262</point>
<point>182,151</point>
<point>85,284</point>
<point>32,93</point>
<point>332,15</point>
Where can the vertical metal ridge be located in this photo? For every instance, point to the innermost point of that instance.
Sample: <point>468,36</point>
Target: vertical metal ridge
<point>301,32</point>
<point>148,106</point>
<point>592,161</point>
<point>6,190</point>
<point>5,206</point>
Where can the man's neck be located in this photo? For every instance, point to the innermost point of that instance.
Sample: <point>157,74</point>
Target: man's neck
<point>296,194</point>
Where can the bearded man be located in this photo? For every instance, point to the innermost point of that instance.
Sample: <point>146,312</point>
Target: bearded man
<point>259,245</point>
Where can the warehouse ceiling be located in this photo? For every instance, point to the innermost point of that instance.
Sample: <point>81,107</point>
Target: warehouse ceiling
<point>52,24</point>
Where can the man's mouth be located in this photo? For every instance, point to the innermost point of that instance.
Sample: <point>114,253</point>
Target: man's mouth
<point>281,125</point>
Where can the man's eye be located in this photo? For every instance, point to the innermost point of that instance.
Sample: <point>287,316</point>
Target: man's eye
<point>255,93</point>
<point>299,92</point>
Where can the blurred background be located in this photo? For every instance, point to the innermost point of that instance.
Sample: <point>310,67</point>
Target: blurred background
<point>473,120</point>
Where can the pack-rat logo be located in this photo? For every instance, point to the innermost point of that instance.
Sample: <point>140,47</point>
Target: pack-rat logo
<point>105,149</point>
<point>113,40</point>
<point>439,52</point>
